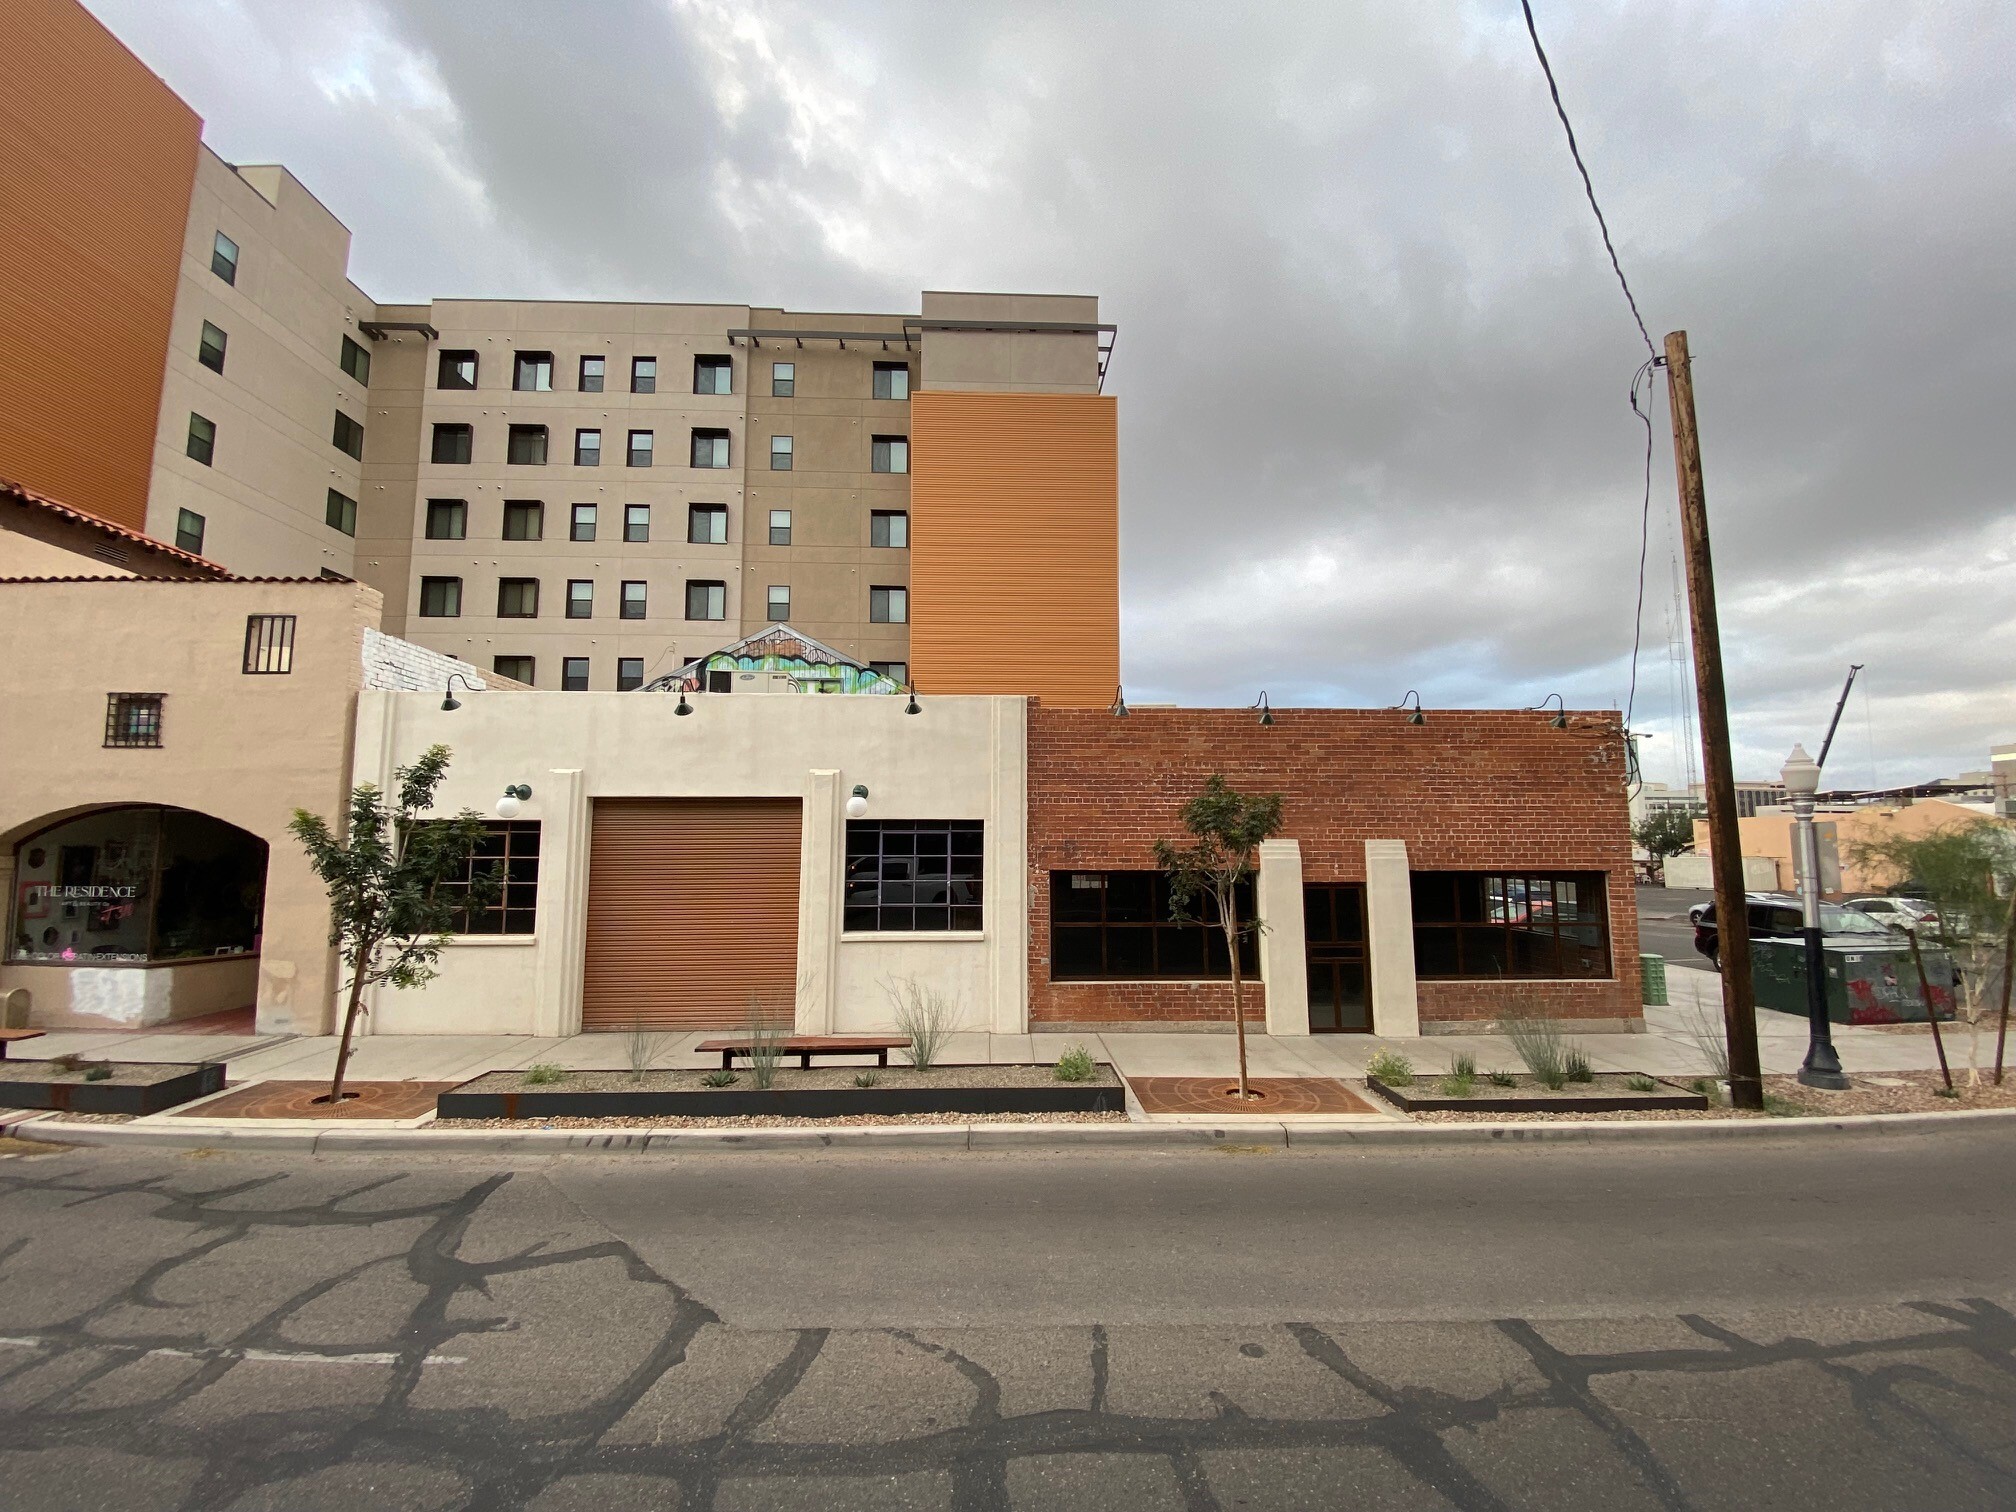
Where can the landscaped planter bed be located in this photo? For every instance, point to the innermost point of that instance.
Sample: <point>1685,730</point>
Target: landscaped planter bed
<point>821,1092</point>
<point>134,1087</point>
<point>1608,1093</point>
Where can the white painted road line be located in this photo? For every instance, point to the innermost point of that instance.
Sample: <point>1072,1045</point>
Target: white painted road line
<point>259,1356</point>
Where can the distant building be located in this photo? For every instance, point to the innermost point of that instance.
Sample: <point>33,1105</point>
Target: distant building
<point>776,660</point>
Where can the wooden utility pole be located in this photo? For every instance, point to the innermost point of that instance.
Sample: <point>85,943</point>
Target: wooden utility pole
<point>1732,914</point>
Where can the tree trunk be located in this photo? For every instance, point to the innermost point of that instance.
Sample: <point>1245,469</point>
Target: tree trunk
<point>2008,967</point>
<point>350,1012</point>
<point>1238,1008</point>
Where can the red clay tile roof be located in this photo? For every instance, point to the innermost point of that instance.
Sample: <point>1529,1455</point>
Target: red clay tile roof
<point>25,495</point>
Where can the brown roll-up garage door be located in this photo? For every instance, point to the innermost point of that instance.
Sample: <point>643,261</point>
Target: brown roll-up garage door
<point>692,906</point>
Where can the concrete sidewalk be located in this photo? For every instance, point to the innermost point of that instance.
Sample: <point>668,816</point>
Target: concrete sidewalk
<point>1670,1047</point>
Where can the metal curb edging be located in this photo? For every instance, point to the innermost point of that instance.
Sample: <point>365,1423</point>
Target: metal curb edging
<point>1031,1137</point>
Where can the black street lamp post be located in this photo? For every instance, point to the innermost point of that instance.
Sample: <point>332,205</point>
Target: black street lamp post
<point>1822,1068</point>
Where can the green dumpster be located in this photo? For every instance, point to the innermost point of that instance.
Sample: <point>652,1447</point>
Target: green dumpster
<point>1868,981</point>
<point>1652,980</point>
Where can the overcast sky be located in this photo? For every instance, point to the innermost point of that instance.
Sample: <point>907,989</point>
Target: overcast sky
<point>1372,363</point>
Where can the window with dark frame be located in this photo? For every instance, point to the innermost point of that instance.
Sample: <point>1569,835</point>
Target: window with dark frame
<point>526,446</point>
<point>581,527</point>
<point>913,875</point>
<point>636,522</point>
<point>587,448</point>
<point>780,527</point>
<point>783,379</point>
<point>1471,925</point>
<point>706,600</point>
<point>447,519</point>
<point>224,258</point>
<point>778,603</point>
<point>532,372</point>
<point>643,375</point>
<point>1115,926</point>
<point>780,454</point>
<point>509,851</point>
<point>210,347</point>
<point>440,597</point>
<point>707,524</point>
<point>517,668</point>
<point>524,520</point>
<point>340,513</point>
<point>889,606</point>
<point>189,530</point>
<point>633,600</point>
<point>517,598</point>
<point>720,680</point>
<point>710,448</point>
<point>889,454</point>
<point>713,375</point>
<point>457,371</point>
<point>592,371</point>
<point>453,443</point>
<point>580,598</point>
<point>202,445</point>
<point>574,674</point>
<point>896,672</point>
<point>356,361</point>
<point>347,436</point>
<point>643,445</point>
<point>889,527</point>
<point>629,673</point>
<point>133,719</point>
<point>892,380</point>
<point>269,644</point>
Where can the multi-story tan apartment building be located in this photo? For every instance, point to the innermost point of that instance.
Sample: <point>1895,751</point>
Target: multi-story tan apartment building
<point>578,495</point>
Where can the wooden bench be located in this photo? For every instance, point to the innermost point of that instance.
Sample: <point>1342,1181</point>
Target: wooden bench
<point>14,1036</point>
<point>805,1046</point>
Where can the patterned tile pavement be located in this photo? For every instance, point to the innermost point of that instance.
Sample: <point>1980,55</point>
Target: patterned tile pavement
<point>1218,1095</point>
<point>296,1099</point>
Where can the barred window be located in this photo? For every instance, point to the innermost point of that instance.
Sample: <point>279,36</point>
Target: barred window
<point>133,719</point>
<point>269,643</point>
<point>510,850</point>
<point>913,874</point>
<point>1496,924</point>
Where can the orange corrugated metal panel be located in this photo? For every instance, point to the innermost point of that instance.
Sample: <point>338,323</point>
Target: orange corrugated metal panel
<point>692,908</point>
<point>94,198</point>
<point>1015,545</point>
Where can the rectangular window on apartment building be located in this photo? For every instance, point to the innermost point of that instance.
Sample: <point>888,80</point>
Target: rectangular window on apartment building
<point>713,375</point>
<point>582,526</point>
<point>636,522</point>
<point>593,370</point>
<point>633,600</point>
<point>778,604</point>
<point>710,448</point>
<point>527,446</point>
<point>706,601</point>
<point>440,597</point>
<point>508,851</point>
<point>269,644</point>
<point>587,448</point>
<point>896,672</point>
<point>629,673</point>
<point>210,348</point>
<point>224,258</point>
<point>347,436</point>
<point>574,674</point>
<point>453,443</point>
<point>889,527</point>
<point>580,598</point>
<point>707,524</point>
<point>913,875</point>
<point>524,520</point>
<point>780,527</point>
<point>340,513</point>
<point>356,361</point>
<point>783,379</point>
<point>447,519</point>
<point>889,606</point>
<point>133,719</point>
<point>517,598</point>
<point>889,454</point>
<point>1115,926</point>
<point>189,527</point>
<point>780,454</point>
<point>642,445</point>
<point>643,375</point>
<point>532,372</point>
<point>517,668</point>
<point>892,380</point>
<point>202,439</point>
<point>457,371</point>
<point>1496,924</point>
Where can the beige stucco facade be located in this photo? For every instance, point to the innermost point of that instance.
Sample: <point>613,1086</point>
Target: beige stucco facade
<point>1767,837</point>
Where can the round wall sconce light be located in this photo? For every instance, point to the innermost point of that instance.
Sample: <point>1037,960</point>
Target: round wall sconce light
<point>515,794</point>
<point>857,801</point>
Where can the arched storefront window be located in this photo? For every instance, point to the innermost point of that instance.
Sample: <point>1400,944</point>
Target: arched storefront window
<point>134,886</point>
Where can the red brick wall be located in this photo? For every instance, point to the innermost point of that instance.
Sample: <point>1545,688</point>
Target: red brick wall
<point>1468,790</point>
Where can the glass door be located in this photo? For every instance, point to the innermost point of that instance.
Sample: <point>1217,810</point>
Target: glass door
<point>1333,922</point>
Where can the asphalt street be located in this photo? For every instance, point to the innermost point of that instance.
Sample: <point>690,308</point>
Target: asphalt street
<point>1777,1323</point>
<point>1663,928</point>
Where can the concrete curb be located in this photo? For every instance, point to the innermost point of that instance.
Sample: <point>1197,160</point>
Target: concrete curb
<point>1028,1138</point>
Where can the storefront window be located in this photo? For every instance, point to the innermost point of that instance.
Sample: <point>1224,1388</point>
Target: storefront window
<point>137,885</point>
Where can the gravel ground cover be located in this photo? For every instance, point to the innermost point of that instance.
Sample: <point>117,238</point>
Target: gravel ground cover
<point>1889,1092</point>
<point>788,1079</point>
<point>124,1073</point>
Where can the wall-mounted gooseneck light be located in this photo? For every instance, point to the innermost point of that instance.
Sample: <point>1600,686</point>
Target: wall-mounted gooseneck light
<point>515,794</point>
<point>449,702</point>
<point>684,707</point>
<point>1266,714</point>
<point>857,801</point>
<point>1559,720</point>
<point>1414,714</point>
<point>1119,706</point>
<point>911,707</point>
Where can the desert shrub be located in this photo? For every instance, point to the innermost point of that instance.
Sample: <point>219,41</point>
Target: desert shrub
<point>1575,1062</point>
<point>1503,1079</point>
<point>1538,1042</point>
<point>99,1072</point>
<point>1641,1084</point>
<point>924,1015</point>
<point>1076,1065</point>
<point>1390,1068</point>
<point>1459,1083</point>
<point>766,1045</point>
<point>1704,1030</point>
<point>544,1074</point>
<point>1705,1087</point>
<point>718,1079</point>
<point>642,1046</point>
<point>868,1079</point>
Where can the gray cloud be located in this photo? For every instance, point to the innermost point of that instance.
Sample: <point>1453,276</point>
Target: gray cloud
<point>1372,363</point>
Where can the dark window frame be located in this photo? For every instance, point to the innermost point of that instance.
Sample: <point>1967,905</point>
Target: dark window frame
<point>133,721</point>
<point>770,613</point>
<point>520,511</point>
<point>889,670</point>
<point>269,645</point>
<point>624,599</point>
<point>347,436</point>
<point>780,535</point>
<point>587,610</point>
<point>1527,941</point>
<point>355,360</point>
<point>518,586</point>
<point>889,370</point>
<point>887,603</point>
<point>205,440</point>
<point>575,522</point>
<point>642,382</point>
<point>648,451</point>
<point>713,362</point>
<point>209,354</point>
<point>886,519</point>
<point>720,443</point>
<point>580,450</point>
<point>891,863</point>
<point>636,524</point>
<point>510,852</point>
<point>534,361</point>
<point>448,370</point>
<point>1194,950</point>
<point>706,584</point>
<point>786,385</point>
<point>882,456</point>
<point>789,454</point>
<point>695,513</point>
<point>339,512</point>
<point>459,436</point>
<point>575,674</point>
<point>591,383</point>
<point>440,508</point>
<point>224,264</point>
<point>187,538</point>
<point>534,437</point>
<point>528,664</point>
<point>449,590</point>
<point>629,673</point>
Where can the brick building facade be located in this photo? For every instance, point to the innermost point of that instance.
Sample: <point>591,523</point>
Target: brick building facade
<point>1467,791</point>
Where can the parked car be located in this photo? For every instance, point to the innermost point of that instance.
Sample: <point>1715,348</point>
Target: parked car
<point>1778,916</point>
<point>1908,913</point>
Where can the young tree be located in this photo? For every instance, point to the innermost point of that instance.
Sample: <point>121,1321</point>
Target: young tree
<point>1967,872</point>
<point>1664,832</point>
<point>1226,828</point>
<point>391,895</point>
